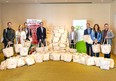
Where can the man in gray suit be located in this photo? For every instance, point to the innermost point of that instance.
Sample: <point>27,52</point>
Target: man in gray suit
<point>72,38</point>
<point>107,36</point>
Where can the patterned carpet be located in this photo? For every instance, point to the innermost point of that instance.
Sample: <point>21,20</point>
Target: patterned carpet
<point>58,71</point>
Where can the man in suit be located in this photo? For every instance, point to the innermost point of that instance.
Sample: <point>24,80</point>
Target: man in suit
<point>8,35</point>
<point>107,36</point>
<point>87,31</point>
<point>27,31</point>
<point>72,38</point>
<point>41,34</point>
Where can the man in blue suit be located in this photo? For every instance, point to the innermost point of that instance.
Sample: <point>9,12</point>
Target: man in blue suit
<point>41,34</point>
<point>87,31</point>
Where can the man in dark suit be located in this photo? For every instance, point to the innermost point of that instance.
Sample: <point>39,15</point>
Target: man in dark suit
<point>41,34</point>
<point>88,31</point>
<point>8,36</point>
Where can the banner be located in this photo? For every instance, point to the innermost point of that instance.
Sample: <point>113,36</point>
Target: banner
<point>80,26</point>
<point>33,24</point>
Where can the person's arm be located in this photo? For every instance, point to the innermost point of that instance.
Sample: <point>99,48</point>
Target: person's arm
<point>13,36</point>
<point>92,35</point>
<point>37,33</point>
<point>100,36</point>
<point>76,36</point>
<point>45,33</point>
<point>16,37</point>
<point>84,32</point>
<point>4,35</point>
<point>30,33</point>
<point>111,35</point>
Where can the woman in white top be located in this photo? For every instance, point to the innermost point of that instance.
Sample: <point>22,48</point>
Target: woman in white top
<point>20,35</point>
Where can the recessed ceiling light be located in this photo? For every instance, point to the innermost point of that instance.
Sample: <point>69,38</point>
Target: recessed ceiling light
<point>7,1</point>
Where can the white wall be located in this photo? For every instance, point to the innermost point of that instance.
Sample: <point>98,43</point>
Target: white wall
<point>56,14</point>
<point>113,23</point>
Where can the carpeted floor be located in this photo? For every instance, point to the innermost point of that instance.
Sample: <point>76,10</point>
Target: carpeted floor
<point>58,71</point>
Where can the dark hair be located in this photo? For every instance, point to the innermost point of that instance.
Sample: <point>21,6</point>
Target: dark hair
<point>106,24</point>
<point>9,23</point>
<point>98,29</point>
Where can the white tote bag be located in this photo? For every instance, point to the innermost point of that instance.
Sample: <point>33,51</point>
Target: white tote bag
<point>17,47</point>
<point>8,51</point>
<point>46,57</point>
<point>3,65</point>
<point>24,51</point>
<point>20,62</point>
<point>56,57</point>
<point>29,60</point>
<point>12,63</point>
<point>88,39</point>
<point>27,43</point>
<point>106,48</point>
<point>68,58</point>
<point>105,64</point>
<point>96,48</point>
<point>38,58</point>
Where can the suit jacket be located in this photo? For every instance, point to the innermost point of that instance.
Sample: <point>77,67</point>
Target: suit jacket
<point>86,31</point>
<point>28,33</point>
<point>110,35</point>
<point>70,37</point>
<point>40,34</point>
<point>8,35</point>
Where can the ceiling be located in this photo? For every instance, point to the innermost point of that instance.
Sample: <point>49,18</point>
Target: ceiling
<point>55,1</point>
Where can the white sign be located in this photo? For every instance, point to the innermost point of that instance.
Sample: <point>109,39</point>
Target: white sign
<point>33,22</point>
<point>80,26</point>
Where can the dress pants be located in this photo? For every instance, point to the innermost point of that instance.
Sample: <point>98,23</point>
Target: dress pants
<point>42,42</point>
<point>89,49</point>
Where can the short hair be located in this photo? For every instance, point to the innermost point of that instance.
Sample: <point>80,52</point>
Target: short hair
<point>41,23</point>
<point>9,23</point>
<point>88,23</point>
<point>106,24</point>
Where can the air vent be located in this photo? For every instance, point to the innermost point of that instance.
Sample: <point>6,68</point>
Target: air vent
<point>66,3</point>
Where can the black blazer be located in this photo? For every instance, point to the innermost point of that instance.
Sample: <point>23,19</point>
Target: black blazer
<point>8,35</point>
<point>86,31</point>
<point>28,33</point>
<point>40,34</point>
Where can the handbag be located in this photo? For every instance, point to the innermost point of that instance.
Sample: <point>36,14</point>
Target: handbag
<point>24,51</point>
<point>12,63</point>
<point>17,47</point>
<point>88,39</point>
<point>8,51</point>
<point>106,48</point>
<point>96,48</point>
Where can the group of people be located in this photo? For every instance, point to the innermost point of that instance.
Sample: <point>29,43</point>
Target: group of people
<point>97,36</point>
<point>22,35</point>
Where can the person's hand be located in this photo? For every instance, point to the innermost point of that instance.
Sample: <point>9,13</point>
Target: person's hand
<point>39,40</point>
<point>95,41</point>
<point>9,43</point>
<point>106,37</point>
